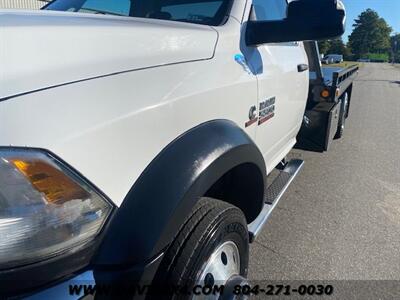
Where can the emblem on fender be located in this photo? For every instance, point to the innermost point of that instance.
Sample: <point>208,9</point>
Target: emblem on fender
<point>252,116</point>
<point>267,110</point>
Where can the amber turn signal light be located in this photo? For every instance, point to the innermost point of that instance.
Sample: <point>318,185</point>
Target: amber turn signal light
<point>51,182</point>
<point>325,93</point>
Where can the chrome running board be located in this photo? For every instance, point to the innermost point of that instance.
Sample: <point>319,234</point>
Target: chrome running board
<point>273,194</point>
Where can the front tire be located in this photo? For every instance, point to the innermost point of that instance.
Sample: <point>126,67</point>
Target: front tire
<point>211,248</point>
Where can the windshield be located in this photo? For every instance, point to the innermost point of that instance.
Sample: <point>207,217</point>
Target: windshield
<point>207,12</point>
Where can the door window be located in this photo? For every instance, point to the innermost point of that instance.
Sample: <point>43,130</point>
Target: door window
<point>269,10</point>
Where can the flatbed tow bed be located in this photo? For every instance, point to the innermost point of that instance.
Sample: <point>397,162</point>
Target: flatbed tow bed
<point>328,72</point>
<point>337,76</point>
<point>328,104</point>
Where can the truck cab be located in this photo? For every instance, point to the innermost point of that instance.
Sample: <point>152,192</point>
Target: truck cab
<point>136,138</point>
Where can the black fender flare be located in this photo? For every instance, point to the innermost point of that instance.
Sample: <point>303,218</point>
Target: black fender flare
<point>156,206</point>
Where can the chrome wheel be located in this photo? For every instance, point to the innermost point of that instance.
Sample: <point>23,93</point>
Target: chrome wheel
<point>222,266</point>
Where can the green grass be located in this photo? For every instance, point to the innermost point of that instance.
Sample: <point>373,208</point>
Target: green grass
<point>383,57</point>
<point>346,64</point>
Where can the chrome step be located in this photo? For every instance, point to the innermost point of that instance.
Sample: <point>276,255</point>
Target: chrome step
<point>273,194</point>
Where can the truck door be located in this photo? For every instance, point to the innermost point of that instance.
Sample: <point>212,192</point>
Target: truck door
<point>282,86</point>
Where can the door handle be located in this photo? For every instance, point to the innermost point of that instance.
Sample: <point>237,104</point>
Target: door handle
<point>302,67</point>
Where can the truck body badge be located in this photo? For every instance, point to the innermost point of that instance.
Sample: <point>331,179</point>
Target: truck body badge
<point>241,60</point>
<point>267,110</point>
<point>252,116</point>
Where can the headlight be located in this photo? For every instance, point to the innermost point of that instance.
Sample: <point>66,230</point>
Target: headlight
<point>45,208</point>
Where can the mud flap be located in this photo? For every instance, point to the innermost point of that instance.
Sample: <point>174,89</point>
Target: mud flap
<point>319,127</point>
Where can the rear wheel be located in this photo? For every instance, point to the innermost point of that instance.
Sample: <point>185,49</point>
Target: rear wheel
<point>211,249</point>
<point>342,118</point>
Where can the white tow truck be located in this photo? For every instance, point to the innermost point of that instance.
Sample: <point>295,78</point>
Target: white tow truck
<point>137,136</point>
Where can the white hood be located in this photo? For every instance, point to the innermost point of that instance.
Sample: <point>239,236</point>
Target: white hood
<point>43,49</point>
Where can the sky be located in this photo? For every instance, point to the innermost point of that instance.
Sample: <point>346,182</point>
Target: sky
<point>387,9</point>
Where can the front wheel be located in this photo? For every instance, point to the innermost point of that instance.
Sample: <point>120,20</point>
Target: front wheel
<point>211,249</point>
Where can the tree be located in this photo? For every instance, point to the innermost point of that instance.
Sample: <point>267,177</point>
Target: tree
<point>324,46</point>
<point>395,44</point>
<point>335,46</point>
<point>371,34</point>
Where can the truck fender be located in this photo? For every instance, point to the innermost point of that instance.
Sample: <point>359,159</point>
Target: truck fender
<point>159,201</point>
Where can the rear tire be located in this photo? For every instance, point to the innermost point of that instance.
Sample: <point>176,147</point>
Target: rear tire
<point>342,118</point>
<point>211,248</point>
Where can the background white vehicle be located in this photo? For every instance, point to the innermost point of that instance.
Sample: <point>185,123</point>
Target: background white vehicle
<point>332,59</point>
<point>136,137</point>
<point>327,60</point>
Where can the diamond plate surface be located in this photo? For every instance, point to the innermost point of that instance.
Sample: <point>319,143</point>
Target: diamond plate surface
<point>276,187</point>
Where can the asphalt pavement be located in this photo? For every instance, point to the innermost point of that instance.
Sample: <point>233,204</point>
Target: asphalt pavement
<point>340,219</point>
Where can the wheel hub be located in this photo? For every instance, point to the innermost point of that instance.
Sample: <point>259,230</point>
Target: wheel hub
<point>222,266</point>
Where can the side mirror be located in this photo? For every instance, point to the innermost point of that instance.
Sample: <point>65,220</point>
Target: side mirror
<point>306,20</point>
